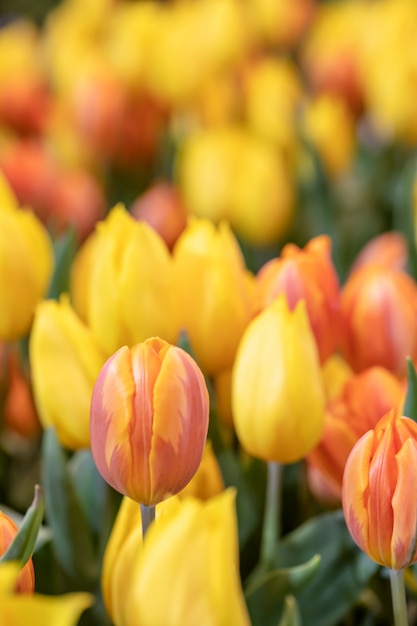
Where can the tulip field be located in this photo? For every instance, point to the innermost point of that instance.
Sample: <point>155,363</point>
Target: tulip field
<point>208,313</point>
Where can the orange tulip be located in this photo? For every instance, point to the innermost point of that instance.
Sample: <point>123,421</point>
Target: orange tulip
<point>380,492</point>
<point>364,399</point>
<point>25,582</point>
<point>149,420</point>
<point>379,307</point>
<point>306,274</point>
<point>389,249</point>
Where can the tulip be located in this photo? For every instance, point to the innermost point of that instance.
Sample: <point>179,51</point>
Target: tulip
<point>380,492</point>
<point>281,23</point>
<point>278,410</point>
<point>389,249</point>
<point>65,361</point>
<point>128,293</point>
<point>379,307</point>
<point>306,274</point>
<point>37,609</point>
<point>149,420</point>
<point>207,482</point>
<point>213,292</point>
<point>26,262</point>
<point>198,576</point>
<point>364,399</point>
<point>25,581</point>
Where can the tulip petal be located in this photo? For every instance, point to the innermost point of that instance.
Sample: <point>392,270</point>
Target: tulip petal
<point>404,532</point>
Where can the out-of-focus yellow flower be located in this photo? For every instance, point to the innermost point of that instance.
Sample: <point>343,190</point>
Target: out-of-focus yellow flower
<point>149,420</point>
<point>230,173</point>
<point>272,92</point>
<point>25,581</point>
<point>384,300</point>
<point>26,263</point>
<point>36,609</point>
<point>327,117</point>
<point>198,574</point>
<point>65,361</point>
<point>336,372</point>
<point>380,492</point>
<point>213,292</point>
<point>7,198</point>
<point>280,23</point>
<point>128,294</point>
<point>207,482</point>
<point>278,411</point>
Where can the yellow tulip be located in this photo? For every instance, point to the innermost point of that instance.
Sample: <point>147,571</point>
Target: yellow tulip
<point>26,263</point>
<point>189,557</point>
<point>213,292</point>
<point>207,482</point>
<point>36,609</point>
<point>128,293</point>
<point>278,396</point>
<point>65,361</point>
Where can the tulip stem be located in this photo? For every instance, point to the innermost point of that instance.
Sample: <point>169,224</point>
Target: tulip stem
<point>272,516</point>
<point>399,603</point>
<point>148,516</point>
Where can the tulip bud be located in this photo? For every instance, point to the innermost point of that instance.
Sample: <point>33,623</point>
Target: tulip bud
<point>278,411</point>
<point>187,532</point>
<point>306,274</point>
<point>128,293</point>
<point>389,249</point>
<point>149,420</point>
<point>65,361</point>
<point>25,582</point>
<point>26,261</point>
<point>213,292</point>
<point>379,307</point>
<point>380,492</point>
<point>207,482</point>
<point>364,399</point>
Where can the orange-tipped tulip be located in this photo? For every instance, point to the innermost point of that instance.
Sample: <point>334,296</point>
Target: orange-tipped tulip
<point>306,274</point>
<point>380,492</point>
<point>149,420</point>
<point>363,401</point>
<point>278,396</point>
<point>25,581</point>
<point>379,307</point>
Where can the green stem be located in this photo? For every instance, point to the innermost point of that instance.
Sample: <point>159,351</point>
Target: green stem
<point>272,517</point>
<point>399,603</point>
<point>148,516</point>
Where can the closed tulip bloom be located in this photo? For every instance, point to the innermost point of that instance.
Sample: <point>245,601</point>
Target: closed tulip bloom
<point>128,293</point>
<point>207,482</point>
<point>65,361</point>
<point>379,307</point>
<point>214,292</point>
<point>189,557</point>
<point>278,395</point>
<point>380,492</point>
<point>307,274</point>
<point>25,581</point>
<point>364,399</point>
<point>149,420</point>
<point>26,263</point>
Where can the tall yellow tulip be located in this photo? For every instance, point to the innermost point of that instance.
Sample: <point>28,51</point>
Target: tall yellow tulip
<point>26,263</point>
<point>128,293</point>
<point>65,361</point>
<point>213,290</point>
<point>278,397</point>
<point>189,557</point>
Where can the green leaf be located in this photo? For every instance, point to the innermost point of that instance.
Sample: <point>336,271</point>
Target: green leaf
<point>266,590</point>
<point>410,407</point>
<point>343,573</point>
<point>23,544</point>
<point>89,486</point>
<point>65,248</point>
<point>72,537</point>
<point>291,615</point>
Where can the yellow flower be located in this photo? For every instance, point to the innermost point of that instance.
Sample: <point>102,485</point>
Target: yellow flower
<point>207,482</point>
<point>65,361</point>
<point>213,292</point>
<point>128,294</point>
<point>189,557</point>
<point>36,609</point>
<point>26,263</point>
<point>278,394</point>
